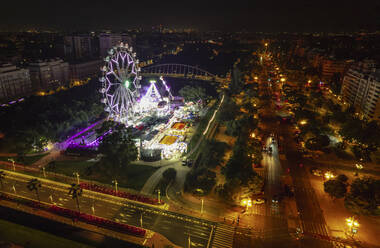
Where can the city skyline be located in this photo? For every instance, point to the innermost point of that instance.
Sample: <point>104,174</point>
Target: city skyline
<point>268,16</point>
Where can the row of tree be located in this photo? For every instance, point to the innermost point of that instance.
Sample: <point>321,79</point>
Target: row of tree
<point>363,196</point>
<point>32,123</point>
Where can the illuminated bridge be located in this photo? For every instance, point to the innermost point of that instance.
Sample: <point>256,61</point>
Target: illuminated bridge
<point>181,71</point>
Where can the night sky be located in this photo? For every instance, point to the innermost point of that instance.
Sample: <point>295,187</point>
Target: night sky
<point>264,15</point>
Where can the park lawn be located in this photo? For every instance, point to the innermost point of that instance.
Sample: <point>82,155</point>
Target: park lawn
<point>21,235</point>
<point>132,176</point>
<point>28,160</point>
<point>68,167</point>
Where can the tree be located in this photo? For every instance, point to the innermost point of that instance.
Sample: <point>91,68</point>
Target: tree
<point>193,93</point>
<point>75,191</point>
<point>364,196</point>
<point>2,177</point>
<point>236,81</point>
<point>336,84</point>
<point>200,178</point>
<point>228,111</point>
<point>33,185</point>
<point>213,153</point>
<point>335,188</point>
<point>118,147</point>
<point>343,178</point>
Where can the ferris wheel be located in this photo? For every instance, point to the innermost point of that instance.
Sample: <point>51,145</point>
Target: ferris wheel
<point>121,83</point>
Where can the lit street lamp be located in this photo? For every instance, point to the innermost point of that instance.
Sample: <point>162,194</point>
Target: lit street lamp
<point>13,163</point>
<point>303,122</point>
<point>77,175</point>
<point>159,196</point>
<point>202,206</point>
<point>247,203</point>
<point>329,175</point>
<point>115,182</point>
<point>352,224</point>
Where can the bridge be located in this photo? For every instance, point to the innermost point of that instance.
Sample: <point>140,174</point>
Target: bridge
<point>181,71</point>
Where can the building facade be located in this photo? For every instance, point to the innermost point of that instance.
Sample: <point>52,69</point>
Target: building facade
<point>371,109</point>
<point>80,46</point>
<point>49,74</point>
<point>361,89</point>
<point>331,66</point>
<point>108,40</point>
<point>84,71</point>
<point>14,82</point>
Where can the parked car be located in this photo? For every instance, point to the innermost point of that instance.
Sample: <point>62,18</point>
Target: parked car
<point>317,172</point>
<point>276,199</point>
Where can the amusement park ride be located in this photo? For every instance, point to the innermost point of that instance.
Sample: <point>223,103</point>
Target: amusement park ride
<point>128,103</point>
<point>122,91</point>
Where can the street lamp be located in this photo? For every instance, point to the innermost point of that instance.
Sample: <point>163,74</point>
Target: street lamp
<point>159,196</point>
<point>202,206</point>
<point>247,203</point>
<point>115,182</point>
<point>43,171</point>
<point>13,163</point>
<point>329,175</point>
<point>358,167</point>
<point>77,175</point>
<point>352,224</point>
<point>303,122</point>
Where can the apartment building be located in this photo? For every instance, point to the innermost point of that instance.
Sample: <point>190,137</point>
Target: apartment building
<point>14,82</point>
<point>361,89</point>
<point>49,74</point>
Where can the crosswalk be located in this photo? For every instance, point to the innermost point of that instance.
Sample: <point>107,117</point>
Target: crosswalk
<point>223,237</point>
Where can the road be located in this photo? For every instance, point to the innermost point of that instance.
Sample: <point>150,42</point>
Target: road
<point>63,230</point>
<point>310,214</point>
<point>158,220</point>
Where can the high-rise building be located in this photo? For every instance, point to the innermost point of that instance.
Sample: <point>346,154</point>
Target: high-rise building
<point>361,89</point>
<point>49,74</point>
<point>14,82</point>
<point>330,66</point>
<point>108,40</point>
<point>371,109</point>
<point>80,46</point>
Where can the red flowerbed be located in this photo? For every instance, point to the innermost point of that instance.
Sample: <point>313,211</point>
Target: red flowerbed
<point>98,221</point>
<point>134,197</point>
<point>90,219</point>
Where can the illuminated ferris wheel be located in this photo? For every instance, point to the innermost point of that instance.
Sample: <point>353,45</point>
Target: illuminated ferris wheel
<point>121,83</point>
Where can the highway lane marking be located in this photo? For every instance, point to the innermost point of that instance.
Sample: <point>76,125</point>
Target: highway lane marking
<point>145,208</point>
<point>195,236</point>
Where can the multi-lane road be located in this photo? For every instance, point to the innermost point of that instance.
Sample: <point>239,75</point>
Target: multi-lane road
<point>178,228</point>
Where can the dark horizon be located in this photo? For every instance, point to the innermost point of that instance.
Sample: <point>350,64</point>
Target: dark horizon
<point>268,16</point>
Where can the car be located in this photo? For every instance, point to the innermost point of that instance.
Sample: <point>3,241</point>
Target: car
<point>258,201</point>
<point>276,199</point>
<point>317,172</point>
<point>257,166</point>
